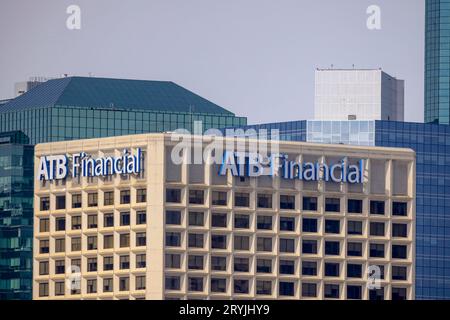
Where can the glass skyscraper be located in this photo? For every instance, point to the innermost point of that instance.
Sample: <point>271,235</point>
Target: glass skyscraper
<point>432,145</point>
<point>437,61</point>
<point>16,215</point>
<point>78,108</point>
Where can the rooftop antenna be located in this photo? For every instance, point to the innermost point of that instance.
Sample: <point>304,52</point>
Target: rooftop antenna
<point>353,65</point>
<point>332,65</point>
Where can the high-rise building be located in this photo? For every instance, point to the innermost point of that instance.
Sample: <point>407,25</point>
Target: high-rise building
<point>80,107</point>
<point>165,230</point>
<point>432,145</point>
<point>437,61</point>
<point>358,94</point>
<point>16,215</point>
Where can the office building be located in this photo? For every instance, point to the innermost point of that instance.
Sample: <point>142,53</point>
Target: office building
<point>195,231</point>
<point>437,61</point>
<point>79,107</point>
<point>432,145</point>
<point>25,86</point>
<point>16,215</point>
<point>358,94</point>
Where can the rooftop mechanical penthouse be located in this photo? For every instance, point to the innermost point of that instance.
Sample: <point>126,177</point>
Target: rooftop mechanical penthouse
<point>212,231</point>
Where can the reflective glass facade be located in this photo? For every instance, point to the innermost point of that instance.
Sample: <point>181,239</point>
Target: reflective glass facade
<point>432,145</point>
<point>68,123</point>
<point>16,216</point>
<point>437,61</point>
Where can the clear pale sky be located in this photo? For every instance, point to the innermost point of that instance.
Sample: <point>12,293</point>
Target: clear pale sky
<point>254,57</point>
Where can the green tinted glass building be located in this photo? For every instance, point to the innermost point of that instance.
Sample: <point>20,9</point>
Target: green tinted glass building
<point>16,215</point>
<point>437,61</point>
<point>78,108</point>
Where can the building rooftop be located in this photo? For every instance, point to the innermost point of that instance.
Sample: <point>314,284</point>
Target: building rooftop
<point>101,93</point>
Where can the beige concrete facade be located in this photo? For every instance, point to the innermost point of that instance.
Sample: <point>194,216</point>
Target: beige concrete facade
<point>224,237</point>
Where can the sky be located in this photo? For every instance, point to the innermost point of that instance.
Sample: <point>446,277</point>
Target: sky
<point>254,57</point>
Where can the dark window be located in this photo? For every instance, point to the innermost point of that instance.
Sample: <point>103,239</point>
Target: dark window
<point>76,222</point>
<point>264,201</point>
<point>354,270</point>
<point>141,195</point>
<point>141,239</point>
<point>376,250</point>
<point>332,291</point>
<point>264,287</point>
<point>309,203</point>
<point>333,205</point>
<point>195,262</point>
<point>108,220</point>
<point>60,267</point>
<point>125,218</point>
<point>354,206</point>
<point>377,229</point>
<point>108,263</point>
<point>354,227</point>
<point>124,196</point>
<point>287,202</point>
<point>60,224</point>
<point>124,284</point>
<point>59,288</point>
<point>60,202</point>
<point>287,224</point>
<point>241,243</point>
<point>219,220</point>
<point>44,246</point>
<point>399,273</point>
<point>332,226</point>
<point>172,261</point>
<point>173,195</point>
<point>218,241</point>
<point>376,294</point>
<point>92,264</point>
<point>241,286</point>
<point>399,251</point>
<point>124,240</point>
<point>354,249</point>
<point>400,209</point>
<point>398,293</point>
<point>286,288</point>
<point>92,221</point>
<point>43,289</point>
<point>264,244</point>
<point>264,266</point>
<point>76,244</point>
<point>241,221</point>
<point>44,225</point>
<point>108,198</point>
<point>219,198</point>
<point>92,199</point>
<point>377,207</point>
<point>108,241</point>
<point>76,200</point>
<point>309,225</point>
<point>399,230</point>
<point>287,245</point>
<point>172,283</point>
<point>107,285</point>
<point>354,292</point>
<point>264,222</point>
<point>287,267</point>
<point>43,268</point>
<point>332,248</point>
<point>309,268</point>
<point>309,246</point>
<point>140,283</point>
<point>218,263</point>
<point>218,285</point>
<point>173,217</point>
<point>196,219</point>
<point>331,269</point>
<point>45,203</point>
<point>196,197</point>
<point>241,199</point>
<point>141,217</point>
<point>309,290</point>
<point>195,240</point>
<point>241,265</point>
<point>124,262</point>
<point>141,260</point>
<point>173,239</point>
